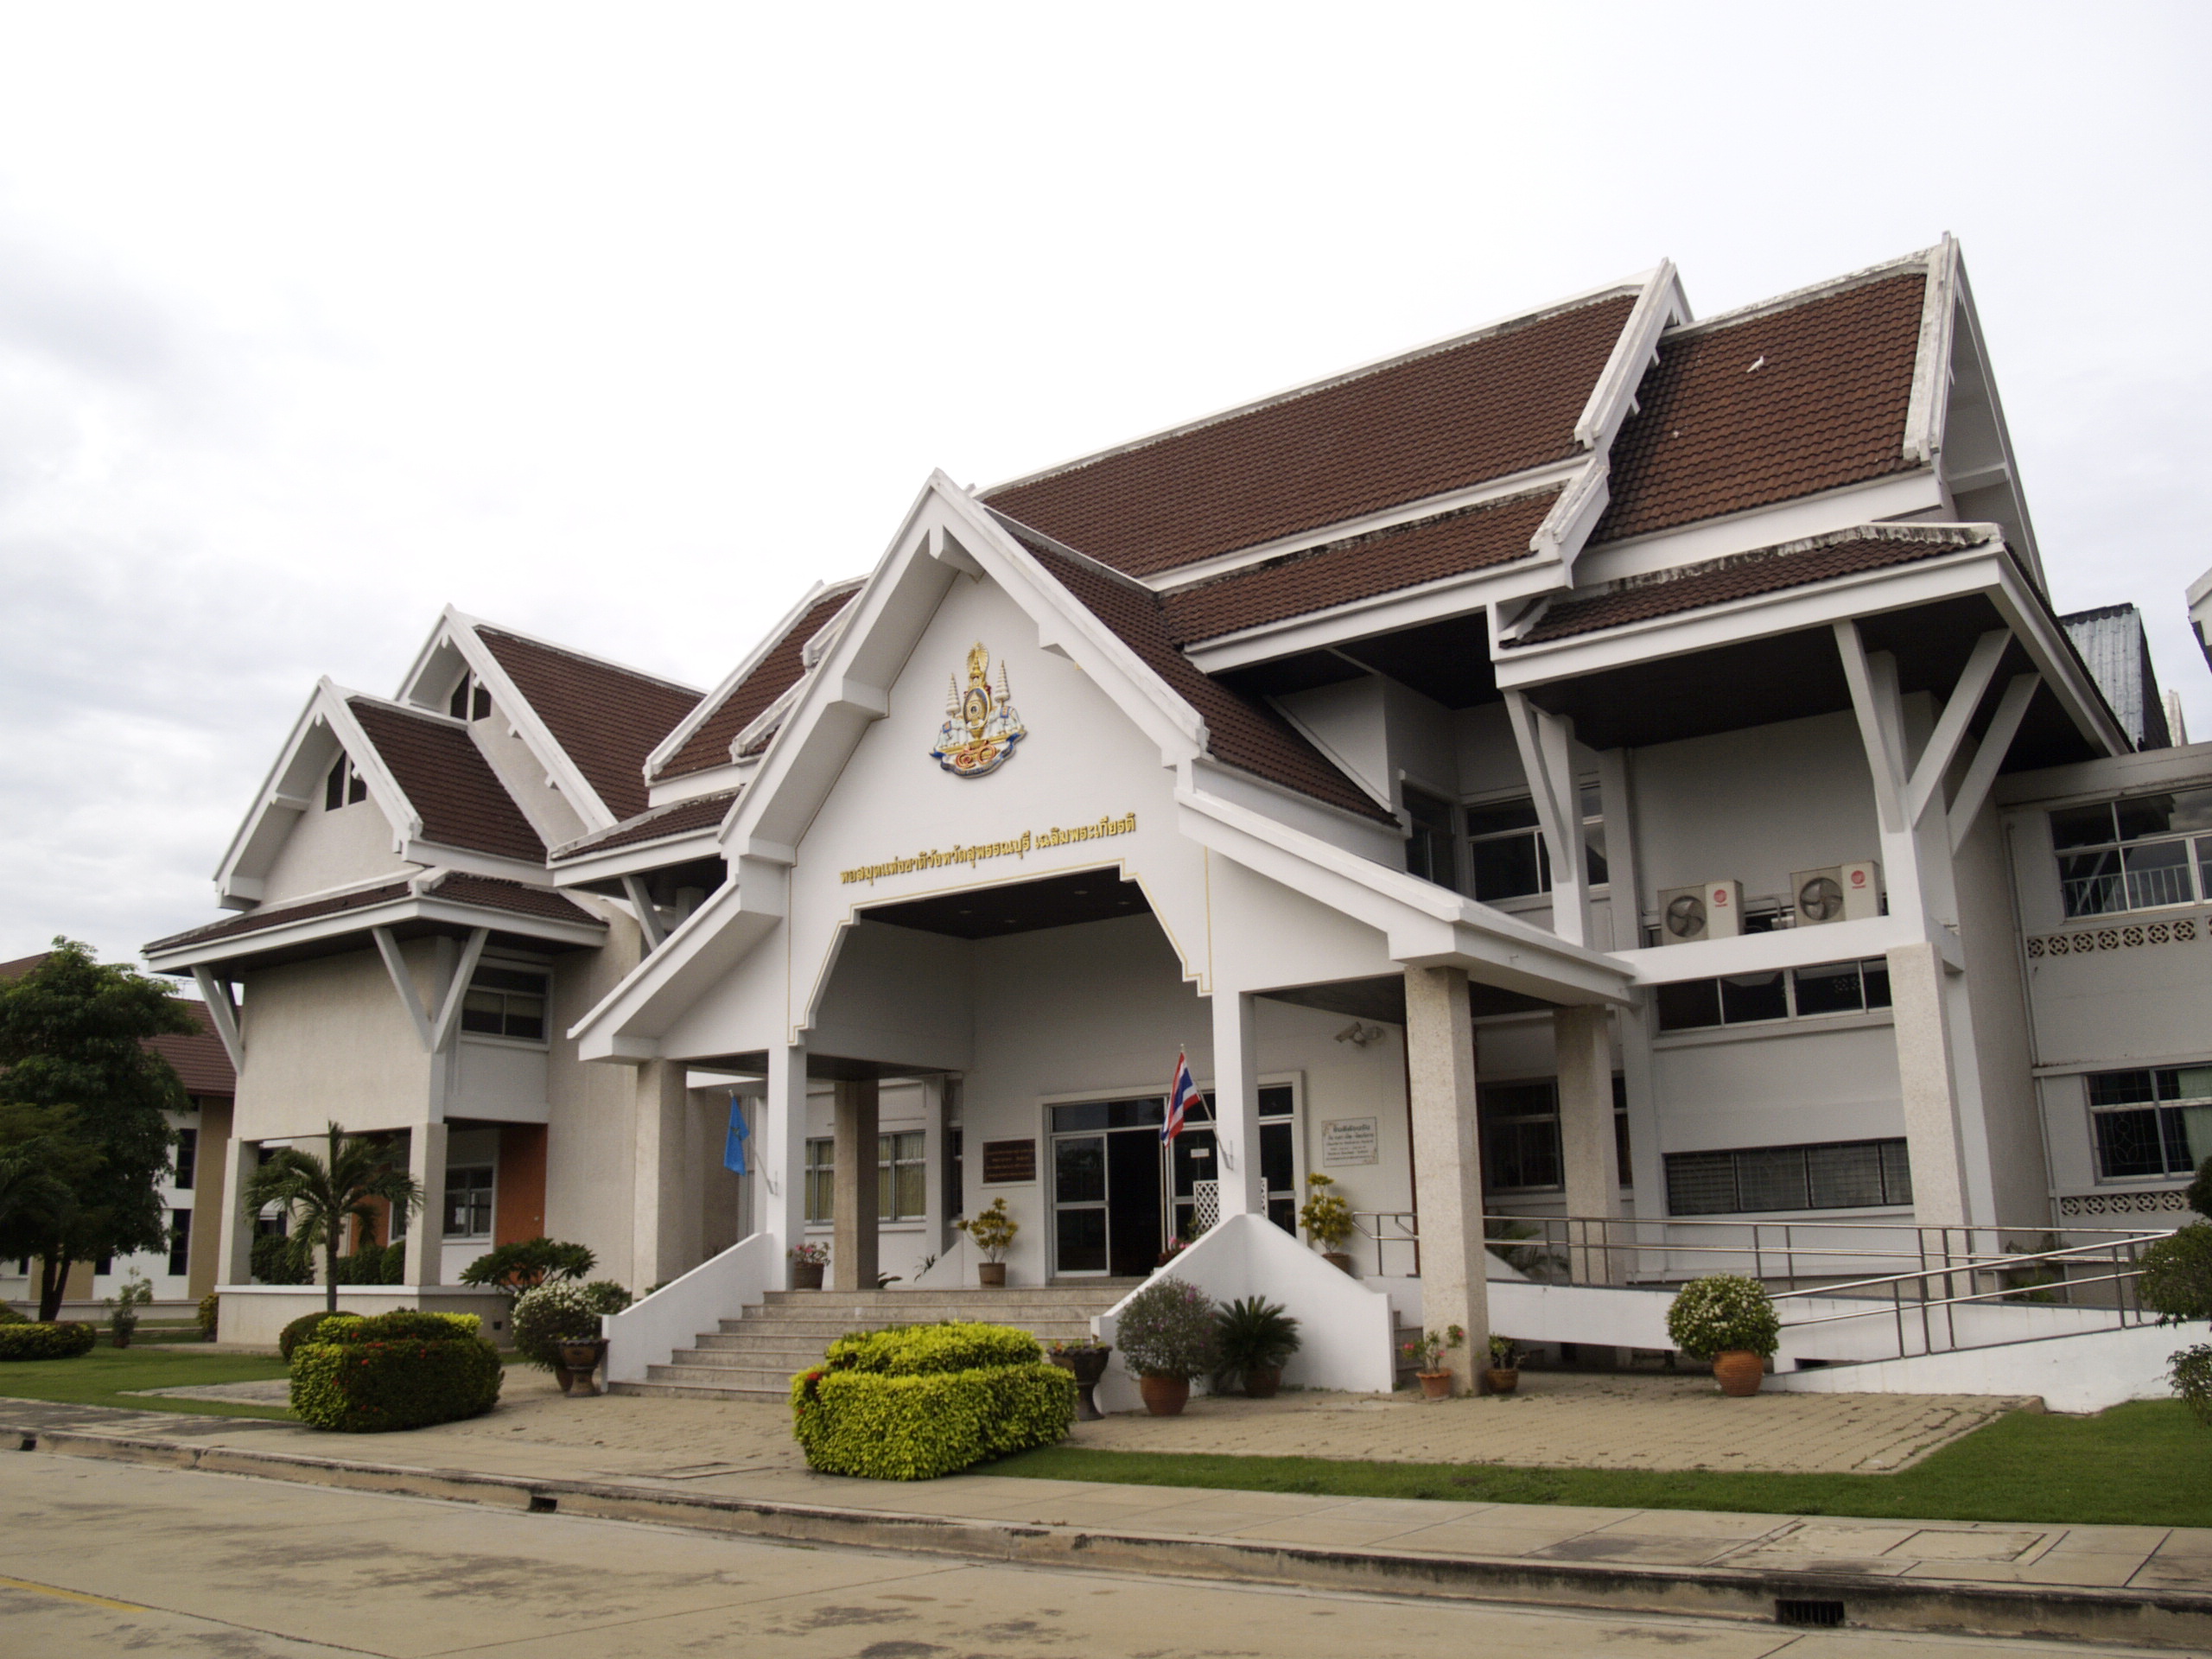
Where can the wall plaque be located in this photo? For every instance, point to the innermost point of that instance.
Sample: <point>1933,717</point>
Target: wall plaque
<point>1348,1140</point>
<point>1007,1163</point>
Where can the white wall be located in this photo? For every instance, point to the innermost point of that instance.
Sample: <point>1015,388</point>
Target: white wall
<point>331,849</point>
<point>329,1038</point>
<point>591,1136</point>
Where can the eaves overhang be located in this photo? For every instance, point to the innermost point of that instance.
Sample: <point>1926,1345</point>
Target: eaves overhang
<point>425,911</point>
<point>586,868</point>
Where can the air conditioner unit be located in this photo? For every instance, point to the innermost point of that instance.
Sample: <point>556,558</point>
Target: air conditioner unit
<point>1712,911</point>
<point>1862,890</point>
<point>1817,895</point>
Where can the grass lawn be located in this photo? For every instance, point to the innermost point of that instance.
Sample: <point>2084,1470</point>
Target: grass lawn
<point>100,1378</point>
<point>2149,1464</point>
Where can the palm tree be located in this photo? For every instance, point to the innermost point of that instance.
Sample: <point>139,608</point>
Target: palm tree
<point>319,1193</point>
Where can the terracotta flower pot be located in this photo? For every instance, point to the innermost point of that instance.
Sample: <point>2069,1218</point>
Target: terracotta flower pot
<point>1261,1385</point>
<point>1435,1385</point>
<point>1502,1379</point>
<point>1739,1372</point>
<point>1340,1260</point>
<point>1165,1396</point>
<point>990,1273</point>
<point>806,1276</point>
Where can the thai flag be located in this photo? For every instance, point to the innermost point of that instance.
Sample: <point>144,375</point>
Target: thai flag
<point>1181,1094</point>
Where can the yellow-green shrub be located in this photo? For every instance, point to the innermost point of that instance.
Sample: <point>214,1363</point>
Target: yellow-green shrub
<point>918,1426</point>
<point>66,1340</point>
<point>397,1370</point>
<point>917,1349</point>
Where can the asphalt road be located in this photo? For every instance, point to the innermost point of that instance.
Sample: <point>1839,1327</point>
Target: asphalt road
<point>107,1559</point>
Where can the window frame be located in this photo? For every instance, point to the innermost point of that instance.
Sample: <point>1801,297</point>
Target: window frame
<point>474,1195</point>
<point>2168,1105</point>
<point>1893,1168</point>
<point>484,985</point>
<point>2118,881</point>
<point>1869,970</point>
<point>821,1177</point>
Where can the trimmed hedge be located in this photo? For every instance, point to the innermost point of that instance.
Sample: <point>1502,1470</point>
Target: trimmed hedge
<point>66,1340</point>
<point>395,1370</point>
<point>919,1401</point>
<point>301,1330</point>
<point>8,1316</point>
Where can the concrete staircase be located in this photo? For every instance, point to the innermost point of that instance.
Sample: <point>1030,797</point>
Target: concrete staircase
<point>755,1356</point>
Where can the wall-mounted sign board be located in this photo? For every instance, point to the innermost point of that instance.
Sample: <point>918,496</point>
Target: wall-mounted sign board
<point>1348,1140</point>
<point>1010,1163</point>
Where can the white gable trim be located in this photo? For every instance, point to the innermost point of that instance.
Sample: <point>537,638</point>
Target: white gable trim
<point>509,702</point>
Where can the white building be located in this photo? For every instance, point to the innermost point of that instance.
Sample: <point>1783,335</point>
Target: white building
<point>1604,765</point>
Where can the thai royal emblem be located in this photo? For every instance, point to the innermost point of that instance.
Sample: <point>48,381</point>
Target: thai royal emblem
<point>981,726</point>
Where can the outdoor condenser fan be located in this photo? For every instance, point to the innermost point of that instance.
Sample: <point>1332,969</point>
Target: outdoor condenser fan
<point>1685,916</point>
<point>1819,899</point>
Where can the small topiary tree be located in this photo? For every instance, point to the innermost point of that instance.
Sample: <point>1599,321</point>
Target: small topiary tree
<point>403,1369</point>
<point>1168,1330</point>
<point>513,1268</point>
<point>552,1314</point>
<point>1723,1314</point>
<point>919,1401</point>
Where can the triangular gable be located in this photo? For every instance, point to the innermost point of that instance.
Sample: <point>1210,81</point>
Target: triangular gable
<point>457,798</point>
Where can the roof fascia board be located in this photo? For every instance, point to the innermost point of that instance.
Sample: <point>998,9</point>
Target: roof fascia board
<point>1969,325</point>
<point>524,721</point>
<point>1661,305</point>
<point>690,785</point>
<point>422,907</point>
<point>1899,496</point>
<point>1574,515</point>
<point>468,861</point>
<point>1634,284</point>
<point>2036,626</point>
<point>2084,781</point>
<point>1371,837</point>
<point>1931,369</point>
<point>638,857</point>
<point>272,796</point>
<point>672,745</point>
<point>1551,474</point>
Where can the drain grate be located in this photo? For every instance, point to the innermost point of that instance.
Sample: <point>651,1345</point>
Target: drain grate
<point>542,1504</point>
<point>1789,1611</point>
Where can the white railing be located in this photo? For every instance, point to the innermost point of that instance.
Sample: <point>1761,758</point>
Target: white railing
<point>647,1333</point>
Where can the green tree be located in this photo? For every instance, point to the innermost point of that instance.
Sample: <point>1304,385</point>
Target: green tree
<point>319,1193</point>
<point>81,1093</point>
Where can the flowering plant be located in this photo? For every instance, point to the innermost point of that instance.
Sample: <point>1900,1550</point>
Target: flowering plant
<point>548,1315</point>
<point>1326,1217</point>
<point>809,1255</point>
<point>1722,1314</point>
<point>1427,1349</point>
<point>1167,1330</point>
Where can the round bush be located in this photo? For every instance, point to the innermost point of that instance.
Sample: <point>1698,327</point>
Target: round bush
<point>8,1316</point>
<point>1724,1314</point>
<point>68,1340</point>
<point>2177,1278</point>
<point>1168,1330</point>
<point>563,1313</point>
<point>302,1329</point>
<point>359,1384</point>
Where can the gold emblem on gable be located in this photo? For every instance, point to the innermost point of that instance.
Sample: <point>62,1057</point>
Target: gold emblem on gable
<point>981,726</point>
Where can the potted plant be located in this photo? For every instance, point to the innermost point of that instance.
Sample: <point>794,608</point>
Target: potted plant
<point>1426,1351</point>
<point>1729,1319</point>
<point>807,1262</point>
<point>1175,1246</point>
<point>1253,1338</point>
<point>1167,1336</point>
<point>993,1229</point>
<point>552,1320</point>
<point>1087,1361</point>
<point>1328,1220</point>
<point>122,1309</point>
<point>1504,1375</point>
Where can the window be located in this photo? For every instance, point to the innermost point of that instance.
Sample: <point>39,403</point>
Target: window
<point>2135,854</point>
<point>180,1241</point>
<point>1429,848</point>
<point>506,1002</point>
<point>2151,1122</point>
<point>1752,1180</point>
<point>1750,999</point>
<point>343,788</point>
<point>188,1155</point>
<point>1507,854</point>
<point>468,1201</point>
<point>1521,1138</point>
<point>470,701</point>
<point>900,1178</point>
<point>955,1191</point>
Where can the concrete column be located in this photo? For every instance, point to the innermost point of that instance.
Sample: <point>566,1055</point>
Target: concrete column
<point>1583,1039</point>
<point>426,1231</point>
<point>853,1259</point>
<point>234,1246</point>
<point>1447,1162</point>
<point>1927,1086</point>
<point>1236,1105</point>
<point>657,1207</point>
<point>934,1093</point>
<point>781,1144</point>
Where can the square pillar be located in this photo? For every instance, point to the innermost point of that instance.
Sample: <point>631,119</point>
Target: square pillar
<point>1582,1038</point>
<point>853,1260</point>
<point>426,1235</point>
<point>657,1208</point>
<point>1927,1086</point>
<point>781,1144</point>
<point>1236,1105</point>
<point>1447,1163</point>
<point>234,1246</point>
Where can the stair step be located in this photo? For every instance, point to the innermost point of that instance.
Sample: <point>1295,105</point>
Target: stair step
<point>698,1391</point>
<point>721,1376</point>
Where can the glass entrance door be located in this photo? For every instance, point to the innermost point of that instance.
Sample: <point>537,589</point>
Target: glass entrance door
<point>1108,1213</point>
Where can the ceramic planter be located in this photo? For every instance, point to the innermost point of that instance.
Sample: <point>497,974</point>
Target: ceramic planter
<point>564,1376</point>
<point>1739,1372</point>
<point>990,1274</point>
<point>1165,1396</point>
<point>1262,1384</point>
<point>1435,1385</point>
<point>806,1276</point>
<point>1502,1379</point>
<point>581,1359</point>
<point>1088,1365</point>
<point>1340,1260</point>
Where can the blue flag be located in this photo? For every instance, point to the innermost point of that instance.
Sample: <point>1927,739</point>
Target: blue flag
<point>734,1142</point>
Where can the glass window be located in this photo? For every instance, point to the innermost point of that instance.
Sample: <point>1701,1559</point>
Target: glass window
<point>470,700</point>
<point>1755,1181</point>
<point>180,1241</point>
<point>1520,1125</point>
<point>2151,1122</point>
<point>2139,853</point>
<point>187,1157</point>
<point>1429,847</point>
<point>343,788</point>
<point>1506,851</point>
<point>821,1180</point>
<point>1747,998</point>
<point>468,1201</point>
<point>506,1002</point>
<point>902,1176</point>
<point>1688,1004</point>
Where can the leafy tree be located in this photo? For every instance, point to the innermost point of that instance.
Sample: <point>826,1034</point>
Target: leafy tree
<point>82,1095</point>
<point>513,1268</point>
<point>319,1193</point>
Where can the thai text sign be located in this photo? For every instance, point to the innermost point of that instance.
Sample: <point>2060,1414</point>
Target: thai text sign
<point>1028,842</point>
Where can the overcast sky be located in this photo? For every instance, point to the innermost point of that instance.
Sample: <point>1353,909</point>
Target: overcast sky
<point>622,325</point>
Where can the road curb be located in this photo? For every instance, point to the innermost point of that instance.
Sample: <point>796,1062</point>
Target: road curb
<point>2175,1619</point>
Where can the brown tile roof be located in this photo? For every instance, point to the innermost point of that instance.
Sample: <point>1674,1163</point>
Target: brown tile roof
<point>775,674</point>
<point>607,717</point>
<point>680,819</point>
<point>1488,407</point>
<point>1744,576</point>
<point>200,1061</point>
<point>1364,567</point>
<point>1240,731</point>
<point>1825,408</point>
<point>449,782</point>
<point>482,892</point>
